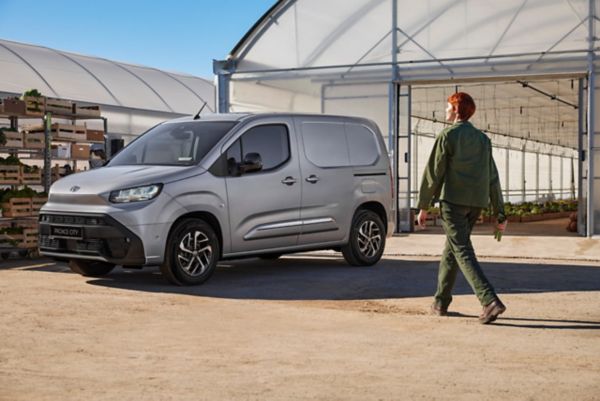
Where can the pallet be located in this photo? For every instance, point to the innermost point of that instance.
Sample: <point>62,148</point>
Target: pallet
<point>30,238</point>
<point>10,174</point>
<point>17,207</point>
<point>33,140</point>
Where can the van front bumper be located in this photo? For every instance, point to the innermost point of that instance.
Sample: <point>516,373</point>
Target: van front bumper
<point>89,236</point>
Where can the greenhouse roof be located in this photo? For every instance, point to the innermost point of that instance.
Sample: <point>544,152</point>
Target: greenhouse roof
<point>97,80</point>
<point>309,34</point>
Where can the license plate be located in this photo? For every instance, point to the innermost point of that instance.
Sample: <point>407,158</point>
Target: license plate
<point>66,232</point>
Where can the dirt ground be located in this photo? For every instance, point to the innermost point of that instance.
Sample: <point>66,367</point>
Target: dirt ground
<point>306,327</point>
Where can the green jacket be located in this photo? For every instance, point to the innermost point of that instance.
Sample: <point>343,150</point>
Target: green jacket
<point>461,170</point>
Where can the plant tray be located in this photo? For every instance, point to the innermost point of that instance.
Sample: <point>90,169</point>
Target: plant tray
<point>14,139</point>
<point>17,207</point>
<point>33,140</point>
<point>59,106</point>
<point>10,175</point>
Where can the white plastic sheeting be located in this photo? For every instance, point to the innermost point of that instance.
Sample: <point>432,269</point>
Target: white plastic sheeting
<point>100,81</point>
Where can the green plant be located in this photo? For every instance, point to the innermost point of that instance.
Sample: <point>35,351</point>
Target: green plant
<point>32,93</point>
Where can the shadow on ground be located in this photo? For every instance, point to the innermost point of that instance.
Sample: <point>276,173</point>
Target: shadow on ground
<point>328,277</point>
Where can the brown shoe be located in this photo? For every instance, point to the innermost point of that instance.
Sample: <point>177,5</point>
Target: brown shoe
<point>492,311</point>
<point>438,310</point>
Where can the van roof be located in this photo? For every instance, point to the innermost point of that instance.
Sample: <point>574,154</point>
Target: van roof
<point>246,116</point>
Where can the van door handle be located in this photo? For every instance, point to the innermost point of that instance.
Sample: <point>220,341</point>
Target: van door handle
<point>313,179</point>
<point>288,181</point>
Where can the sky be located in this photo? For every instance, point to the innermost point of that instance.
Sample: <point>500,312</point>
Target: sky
<point>177,35</point>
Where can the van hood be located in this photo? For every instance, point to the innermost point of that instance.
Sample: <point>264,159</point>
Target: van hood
<point>106,179</point>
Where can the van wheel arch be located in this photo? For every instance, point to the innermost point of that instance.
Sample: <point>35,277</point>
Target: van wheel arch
<point>209,218</point>
<point>375,207</point>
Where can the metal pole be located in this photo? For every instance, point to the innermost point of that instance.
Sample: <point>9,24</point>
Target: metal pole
<point>507,174</point>
<point>47,152</point>
<point>591,123</point>
<point>523,181</point>
<point>393,111</point>
<point>537,176</point>
<point>580,160</point>
<point>550,192</point>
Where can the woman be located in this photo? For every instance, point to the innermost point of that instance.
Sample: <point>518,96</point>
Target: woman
<point>462,175</point>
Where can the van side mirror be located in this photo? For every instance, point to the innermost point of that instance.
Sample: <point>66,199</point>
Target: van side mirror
<point>252,162</point>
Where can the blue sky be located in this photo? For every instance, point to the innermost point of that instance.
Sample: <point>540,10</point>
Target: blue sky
<point>176,35</point>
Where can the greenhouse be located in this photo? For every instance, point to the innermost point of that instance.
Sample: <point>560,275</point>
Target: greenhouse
<point>527,63</point>
<point>133,98</point>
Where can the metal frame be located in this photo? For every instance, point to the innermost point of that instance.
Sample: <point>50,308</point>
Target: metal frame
<point>573,63</point>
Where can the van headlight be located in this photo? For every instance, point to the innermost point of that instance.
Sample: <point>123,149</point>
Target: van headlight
<point>136,194</point>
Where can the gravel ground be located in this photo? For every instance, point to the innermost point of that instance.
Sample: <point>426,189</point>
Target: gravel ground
<point>305,327</point>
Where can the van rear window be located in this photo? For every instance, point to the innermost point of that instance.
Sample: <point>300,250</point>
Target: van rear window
<point>173,144</point>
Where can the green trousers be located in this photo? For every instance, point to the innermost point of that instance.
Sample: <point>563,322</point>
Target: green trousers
<point>458,222</point>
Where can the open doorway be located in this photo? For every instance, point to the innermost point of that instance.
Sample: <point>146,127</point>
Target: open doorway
<point>534,125</point>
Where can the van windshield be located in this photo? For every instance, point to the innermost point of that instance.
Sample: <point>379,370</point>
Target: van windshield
<point>173,144</point>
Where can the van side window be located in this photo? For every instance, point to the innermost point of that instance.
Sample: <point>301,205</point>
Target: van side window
<point>332,144</point>
<point>271,142</point>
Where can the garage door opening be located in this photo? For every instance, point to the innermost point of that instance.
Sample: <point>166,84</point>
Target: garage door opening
<point>535,127</point>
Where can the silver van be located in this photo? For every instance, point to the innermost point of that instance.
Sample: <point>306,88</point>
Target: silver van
<point>190,192</point>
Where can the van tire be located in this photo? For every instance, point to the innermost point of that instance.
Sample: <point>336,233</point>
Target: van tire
<point>365,248</point>
<point>192,240</point>
<point>90,268</point>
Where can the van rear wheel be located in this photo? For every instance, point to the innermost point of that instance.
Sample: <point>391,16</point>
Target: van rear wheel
<point>90,268</point>
<point>192,253</point>
<point>367,239</point>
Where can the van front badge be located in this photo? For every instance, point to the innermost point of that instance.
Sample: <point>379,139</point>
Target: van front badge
<point>75,188</point>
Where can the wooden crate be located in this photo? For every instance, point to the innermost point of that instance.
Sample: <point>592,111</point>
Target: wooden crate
<point>59,106</point>
<point>36,204</point>
<point>17,207</point>
<point>13,106</point>
<point>80,151</point>
<point>87,111</point>
<point>76,133</point>
<point>34,106</point>
<point>31,178</point>
<point>33,140</point>
<point>14,139</point>
<point>11,240</point>
<point>63,132</point>
<point>94,135</point>
<point>10,175</point>
<point>29,238</point>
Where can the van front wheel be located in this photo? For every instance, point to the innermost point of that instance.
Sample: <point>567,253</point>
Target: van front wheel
<point>90,268</point>
<point>367,239</point>
<point>192,253</point>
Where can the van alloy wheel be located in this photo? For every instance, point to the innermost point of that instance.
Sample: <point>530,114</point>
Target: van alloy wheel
<point>369,238</point>
<point>194,254</point>
<point>366,241</point>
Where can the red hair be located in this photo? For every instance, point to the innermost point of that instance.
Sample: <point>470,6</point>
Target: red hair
<point>463,105</point>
